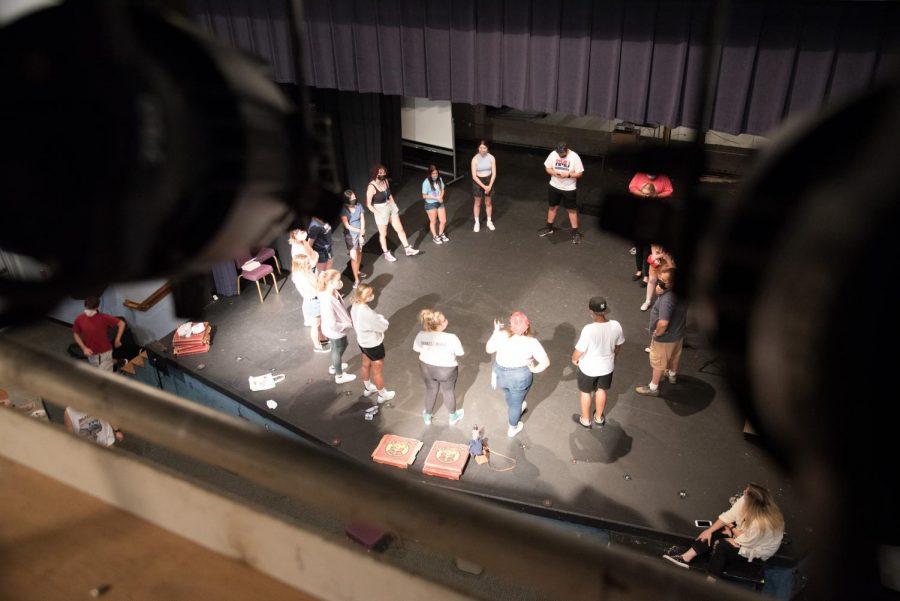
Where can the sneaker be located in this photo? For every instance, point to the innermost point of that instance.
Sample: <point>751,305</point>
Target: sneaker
<point>513,430</point>
<point>355,285</point>
<point>646,349</point>
<point>577,237</point>
<point>331,368</point>
<point>385,395</point>
<point>672,376</point>
<point>325,348</point>
<point>524,406</point>
<point>632,251</point>
<point>437,240</point>
<point>363,276</point>
<point>546,230</point>
<point>645,306</point>
<point>427,418</point>
<point>389,257</point>
<point>580,421</point>
<point>344,378</point>
<point>646,391</point>
<point>456,417</point>
<point>477,227</point>
<point>643,284</point>
<point>410,251</point>
<point>674,556</point>
<point>601,421</point>
<point>490,225</point>
<point>444,238</point>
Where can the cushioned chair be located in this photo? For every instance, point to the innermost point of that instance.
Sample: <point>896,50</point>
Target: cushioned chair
<point>265,253</point>
<point>254,275</point>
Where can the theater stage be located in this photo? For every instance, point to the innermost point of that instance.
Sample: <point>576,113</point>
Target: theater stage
<point>628,475</point>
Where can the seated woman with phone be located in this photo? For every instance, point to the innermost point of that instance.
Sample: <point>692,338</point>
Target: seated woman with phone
<point>751,529</point>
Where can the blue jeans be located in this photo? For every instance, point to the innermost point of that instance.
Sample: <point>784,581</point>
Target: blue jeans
<point>515,383</point>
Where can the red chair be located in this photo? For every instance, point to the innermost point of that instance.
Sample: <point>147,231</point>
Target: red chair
<point>265,253</point>
<point>254,275</point>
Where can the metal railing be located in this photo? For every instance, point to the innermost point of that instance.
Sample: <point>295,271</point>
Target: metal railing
<point>556,562</point>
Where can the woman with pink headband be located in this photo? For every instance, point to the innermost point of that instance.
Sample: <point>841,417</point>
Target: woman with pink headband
<point>519,355</point>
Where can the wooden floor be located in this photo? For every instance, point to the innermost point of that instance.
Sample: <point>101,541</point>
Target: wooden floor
<point>58,543</point>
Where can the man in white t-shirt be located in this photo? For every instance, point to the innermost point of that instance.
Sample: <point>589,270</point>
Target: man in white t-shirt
<point>595,355</point>
<point>564,168</point>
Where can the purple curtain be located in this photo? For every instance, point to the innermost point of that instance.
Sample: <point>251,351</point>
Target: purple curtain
<point>637,60</point>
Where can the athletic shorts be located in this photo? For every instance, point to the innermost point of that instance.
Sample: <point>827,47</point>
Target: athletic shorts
<point>311,310</point>
<point>351,239</point>
<point>325,255</point>
<point>663,354</point>
<point>376,353</point>
<point>384,211</point>
<point>433,206</point>
<point>591,384</point>
<point>566,198</point>
<point>478,191</point>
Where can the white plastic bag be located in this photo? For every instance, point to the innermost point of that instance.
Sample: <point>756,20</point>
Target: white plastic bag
<point>251,265</point>
<point>265,381</point>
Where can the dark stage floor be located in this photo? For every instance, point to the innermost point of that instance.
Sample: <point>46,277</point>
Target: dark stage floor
<point>631,471</point>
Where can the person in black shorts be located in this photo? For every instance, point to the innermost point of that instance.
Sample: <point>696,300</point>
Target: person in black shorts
<point>370,328</point>
<point>564,168</point>
<point>595,355</point>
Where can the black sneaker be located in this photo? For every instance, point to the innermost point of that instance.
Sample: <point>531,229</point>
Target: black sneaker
<point>546,230</point>
<point>577,419</point>
<point>576,238</point>
<point>674,555</point>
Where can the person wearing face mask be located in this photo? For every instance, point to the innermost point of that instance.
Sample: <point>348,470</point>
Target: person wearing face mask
<point>565,168</point>
<point>354,220</point>
<point>90,331</point>
<point>336,322</point>
<point>519,355</point>
<point>484,173</point>
<point>433,195</point>
<point>667,324</point>
<point>380,201</point>
<point>647,185</point>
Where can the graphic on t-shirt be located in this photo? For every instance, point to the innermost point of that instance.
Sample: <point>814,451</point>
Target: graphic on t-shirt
<point>562,164</point>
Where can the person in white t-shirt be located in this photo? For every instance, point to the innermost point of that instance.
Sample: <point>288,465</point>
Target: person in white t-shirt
<point>370,328</point>
<point>519,355</point>
<point>438,351</point>
<point>564,168</point>
<point>87,426</point>
<point>304,278</point>
<point>595,355</point>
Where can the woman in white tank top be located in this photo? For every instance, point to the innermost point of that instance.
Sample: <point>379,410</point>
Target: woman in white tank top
<point>484,173</point>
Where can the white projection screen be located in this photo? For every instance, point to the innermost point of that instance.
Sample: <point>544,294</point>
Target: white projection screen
<point>427,122</point>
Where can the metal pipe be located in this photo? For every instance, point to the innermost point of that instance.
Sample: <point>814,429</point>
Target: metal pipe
<point>565,566</point>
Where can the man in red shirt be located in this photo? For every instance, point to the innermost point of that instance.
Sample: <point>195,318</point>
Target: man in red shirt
<point>657,186</point>
<point>90,331</point>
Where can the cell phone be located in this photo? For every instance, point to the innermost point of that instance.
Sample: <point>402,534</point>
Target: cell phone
<point>702,523</point>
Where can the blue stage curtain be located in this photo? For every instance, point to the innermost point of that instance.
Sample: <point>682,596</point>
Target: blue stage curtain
<point>637,60</point>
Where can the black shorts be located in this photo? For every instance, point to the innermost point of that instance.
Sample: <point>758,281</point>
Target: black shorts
<point>566,198</point>
<point>478,191</point>
<point>376,353</point>
<point>590,384</point>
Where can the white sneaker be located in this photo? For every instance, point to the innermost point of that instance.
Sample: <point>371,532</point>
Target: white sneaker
<point>477,227</point>
<point>455,417</point>
<point>645,306</point>
<point>331,368</point>
<point>385,395</point>
<point>524,406</point>
<point>513,430</point>
<point>369,389</point>
<point>437,240</point>
<point>344,378</point>
<point>389,257</point>
<point>410,251</point>
<point>490,225</point>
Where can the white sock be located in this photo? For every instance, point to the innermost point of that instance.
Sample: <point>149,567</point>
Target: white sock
<point>653,386</point>
<point>672,374</point>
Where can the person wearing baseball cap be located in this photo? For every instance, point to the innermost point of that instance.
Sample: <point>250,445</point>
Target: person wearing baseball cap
<point>564,167</point>
<point>595,356</point>
<point>519,355</point>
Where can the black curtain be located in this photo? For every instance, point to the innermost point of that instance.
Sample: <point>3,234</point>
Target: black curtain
<point>637,60</point>
<point>366,130</point>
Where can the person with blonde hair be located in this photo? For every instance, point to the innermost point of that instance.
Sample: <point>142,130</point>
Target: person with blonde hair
<point>438,351</point>
<point>370,328</point>
<point>336,321</point>
<point>305,280</point>
<point>752,529</point>
<point>519,355</point>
